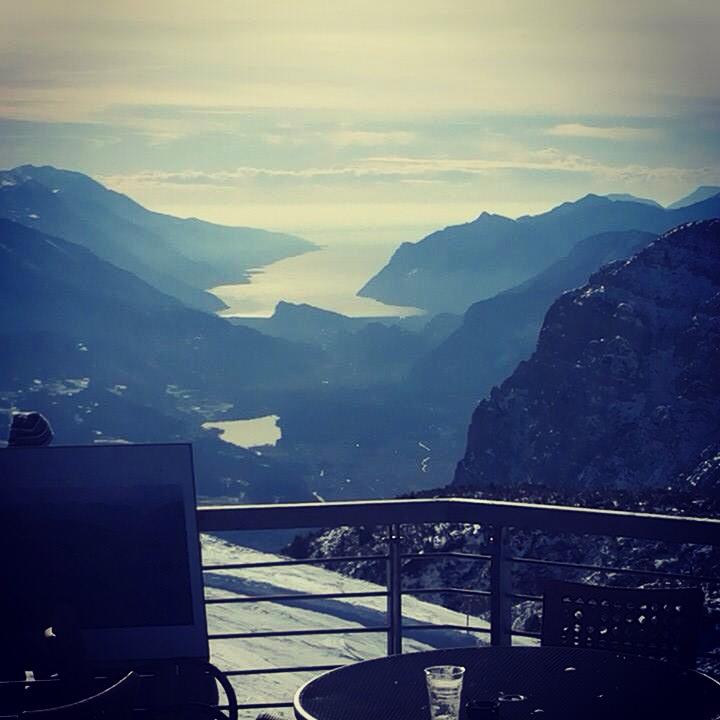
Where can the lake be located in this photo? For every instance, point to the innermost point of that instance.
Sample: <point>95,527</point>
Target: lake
<point>248,433</point>
<point>327,278</point>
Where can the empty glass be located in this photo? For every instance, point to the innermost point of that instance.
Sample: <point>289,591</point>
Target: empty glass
<point>444,684</point>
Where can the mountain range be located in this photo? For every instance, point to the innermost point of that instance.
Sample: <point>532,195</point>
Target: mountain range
<point>181,257</point>
<point>462,264</point>
<point>497,333</point>
<point>109,358</point>
<point>367,408</point>
<point>616,405</point>
<point>617,408</point>
<point>698,195</point>
<point>623,389</point>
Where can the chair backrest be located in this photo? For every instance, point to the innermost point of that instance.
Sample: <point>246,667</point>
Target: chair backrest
<point>114,702</point>
<point>84,530</point>
<point>658,623</point>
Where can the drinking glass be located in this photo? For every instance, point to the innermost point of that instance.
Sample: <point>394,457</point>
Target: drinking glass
<point>444,684</point>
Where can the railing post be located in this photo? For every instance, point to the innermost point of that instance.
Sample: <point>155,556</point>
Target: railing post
<point>500,587</point>
<point>394,591</point>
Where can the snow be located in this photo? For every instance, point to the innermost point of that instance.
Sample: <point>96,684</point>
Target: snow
<point>109,439</point>
<point>68,387</point>
<point>295,615</point>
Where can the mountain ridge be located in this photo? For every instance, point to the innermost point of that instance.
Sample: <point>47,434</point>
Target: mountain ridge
<point>701,193</point>
<point>181,257</point>
<point>121,329</point>
<point>497,333</point>
<point>621,388</point>
<point>450,269</point>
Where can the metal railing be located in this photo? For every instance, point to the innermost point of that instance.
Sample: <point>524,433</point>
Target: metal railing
<point>502,517</point>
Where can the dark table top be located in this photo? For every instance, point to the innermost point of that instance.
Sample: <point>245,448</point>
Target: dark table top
<point>539,683</point>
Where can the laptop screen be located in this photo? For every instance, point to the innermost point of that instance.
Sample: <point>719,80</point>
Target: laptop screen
<point>104,537</point>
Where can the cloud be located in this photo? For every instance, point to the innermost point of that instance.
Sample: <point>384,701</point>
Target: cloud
<point>422,170</point>
<point>371,138</point>
<point>613,132</point>
<point>367,58</point>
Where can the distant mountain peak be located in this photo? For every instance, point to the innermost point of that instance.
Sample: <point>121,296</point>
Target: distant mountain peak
<point>627,197</point>
<point>698,195</point>
<point>489,217</point>
<point>591,197</point>
<point>571,206</point>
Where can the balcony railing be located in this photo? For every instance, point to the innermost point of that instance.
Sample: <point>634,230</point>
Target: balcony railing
<point>502,518</point>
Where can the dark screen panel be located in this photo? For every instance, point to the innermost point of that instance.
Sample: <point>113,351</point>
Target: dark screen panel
<point>108,556</point>
<point>103,538</point>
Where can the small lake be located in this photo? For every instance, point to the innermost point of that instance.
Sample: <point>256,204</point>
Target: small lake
<point>248,433</point>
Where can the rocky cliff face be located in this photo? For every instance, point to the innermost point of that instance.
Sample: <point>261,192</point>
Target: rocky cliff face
<point>496,334</point>
<point>624,387</point>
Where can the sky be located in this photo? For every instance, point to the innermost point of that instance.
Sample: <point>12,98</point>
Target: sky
<point>364,120</point>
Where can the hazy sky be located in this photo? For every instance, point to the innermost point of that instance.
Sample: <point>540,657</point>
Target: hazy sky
<point>366,119</point>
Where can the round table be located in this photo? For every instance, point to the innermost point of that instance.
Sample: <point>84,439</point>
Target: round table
<point>533,683</point>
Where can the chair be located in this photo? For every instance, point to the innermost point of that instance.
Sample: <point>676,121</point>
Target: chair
<point>184,699</point>
<point>187,691</point>
<point>663,624</point>
<point>94,584</point>
<point>115,701</point>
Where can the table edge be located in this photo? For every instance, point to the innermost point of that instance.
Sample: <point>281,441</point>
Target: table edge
<point>303,714</point>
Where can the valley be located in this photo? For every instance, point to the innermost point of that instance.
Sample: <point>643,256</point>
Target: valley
<point>359,405</point>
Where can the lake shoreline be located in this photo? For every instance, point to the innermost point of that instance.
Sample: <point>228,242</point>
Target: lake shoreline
<point>326,278</point>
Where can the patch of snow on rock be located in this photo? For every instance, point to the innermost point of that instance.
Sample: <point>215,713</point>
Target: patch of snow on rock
<point>68,387</point>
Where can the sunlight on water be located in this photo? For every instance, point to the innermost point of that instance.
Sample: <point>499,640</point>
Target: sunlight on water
<point>248,433</point>
<point>327,278</point>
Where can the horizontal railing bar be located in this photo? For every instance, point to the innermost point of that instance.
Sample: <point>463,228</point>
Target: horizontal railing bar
<point>447,626</point>
<point>293,561</point>
<point>271,671</point>
<point>448,590</point>
<point>258,706</point>
<point>288,633</point>
<point>557,518</point>
<point>611,569</point>
<point>294,596</point>
<point>526,633</point>
<point>524,596</point>
<point>433,555</point>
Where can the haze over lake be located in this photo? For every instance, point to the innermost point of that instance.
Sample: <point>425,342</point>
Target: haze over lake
<point>327,278</point>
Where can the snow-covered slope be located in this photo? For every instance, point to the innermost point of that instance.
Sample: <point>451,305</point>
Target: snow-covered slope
<point>243,654</point>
